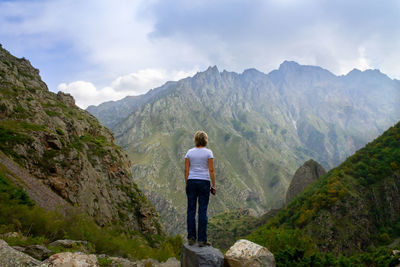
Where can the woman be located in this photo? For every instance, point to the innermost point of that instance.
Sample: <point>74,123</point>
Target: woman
<point>199,170</point>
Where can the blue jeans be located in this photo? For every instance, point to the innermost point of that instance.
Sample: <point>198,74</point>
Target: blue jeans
<point>197,190</point>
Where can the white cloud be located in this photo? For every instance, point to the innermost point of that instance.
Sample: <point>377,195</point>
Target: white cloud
<point>86,93</point>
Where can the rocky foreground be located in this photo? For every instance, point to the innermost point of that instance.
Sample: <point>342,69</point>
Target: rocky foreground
<point>77,253</point>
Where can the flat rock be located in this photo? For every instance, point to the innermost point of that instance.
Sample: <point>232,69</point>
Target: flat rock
<point>68,259</point>
<point>12,257</point>
<point>245,253</point>
<point>195,256</point>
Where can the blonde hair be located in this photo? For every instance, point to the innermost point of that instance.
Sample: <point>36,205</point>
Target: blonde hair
<point>200,138</point>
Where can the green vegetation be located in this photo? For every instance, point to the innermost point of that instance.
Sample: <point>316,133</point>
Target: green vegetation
<point>225,228</point>
<point>297,257</point>
<point>52,113</point>
<point>18,213</point>
<point>377,160</point>
<point>59,131</point>
<point>299,234</point>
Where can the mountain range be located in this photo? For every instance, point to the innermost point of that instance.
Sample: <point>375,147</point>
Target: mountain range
<point>262,127</point>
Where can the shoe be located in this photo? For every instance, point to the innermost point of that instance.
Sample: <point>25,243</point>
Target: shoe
<point>204,244</point>
<point>192,242</point>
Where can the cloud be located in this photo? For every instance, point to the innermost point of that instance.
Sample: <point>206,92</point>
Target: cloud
<point>99,40</point>
<point>86,93</point>
<point>261,34</point>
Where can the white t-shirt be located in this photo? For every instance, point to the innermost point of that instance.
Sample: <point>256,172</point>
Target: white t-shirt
<point>198,158</point>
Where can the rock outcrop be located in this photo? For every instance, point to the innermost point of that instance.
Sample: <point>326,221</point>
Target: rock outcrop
<point>195,256</point>
<point>245,253</point>
<point>66,150</point>
<point>303,177</point>
<point>13,257</point>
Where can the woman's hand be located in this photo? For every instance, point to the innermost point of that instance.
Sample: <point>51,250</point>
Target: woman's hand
<point>213,190</point>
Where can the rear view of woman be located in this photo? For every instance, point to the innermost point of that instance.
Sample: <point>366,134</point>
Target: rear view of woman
<point>199,172</point>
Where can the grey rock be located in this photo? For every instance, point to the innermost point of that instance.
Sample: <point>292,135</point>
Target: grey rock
<point>195,256</point>
<point>13,257</point>
<point>246,253</point>
<point>308,173</point>
<point>21,249</point>
<point>38,252</point>
<point>171,262</point>
<point>53,141</point>
<point>71,259</point>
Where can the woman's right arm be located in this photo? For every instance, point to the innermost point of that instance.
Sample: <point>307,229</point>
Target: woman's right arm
<point>187,166</point>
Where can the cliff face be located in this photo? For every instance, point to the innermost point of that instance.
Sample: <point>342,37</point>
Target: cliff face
<point>68,150</point>
<point>307,174</point>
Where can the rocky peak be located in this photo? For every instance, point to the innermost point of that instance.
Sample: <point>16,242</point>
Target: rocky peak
<point>20,72</point>
<point>253,73</point>
<point>307,174</point>
<point>66,98</point>
<point>289,65</point>
<point>208,73</point>
<point>296,71</point>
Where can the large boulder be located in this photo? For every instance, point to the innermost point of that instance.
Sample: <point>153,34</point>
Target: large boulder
<point>307,174</point>
<point>195,256</point>
<point>248,254</point>
<point>71,259</point>
<point>12,257</point>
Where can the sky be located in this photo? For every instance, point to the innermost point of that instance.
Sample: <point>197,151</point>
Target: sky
<point>102,50</point>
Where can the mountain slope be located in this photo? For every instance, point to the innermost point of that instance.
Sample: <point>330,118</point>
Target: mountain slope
<point>352,207</point>
<point>66,149</point>
<point>261,127</point>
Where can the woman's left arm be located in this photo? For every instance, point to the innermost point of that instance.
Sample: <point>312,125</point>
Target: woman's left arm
<point>211,171</point>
